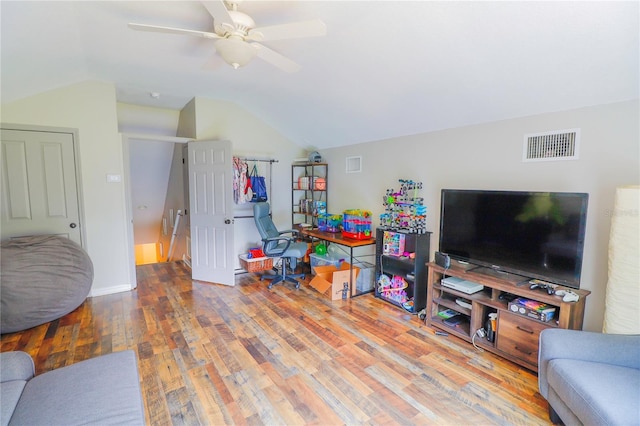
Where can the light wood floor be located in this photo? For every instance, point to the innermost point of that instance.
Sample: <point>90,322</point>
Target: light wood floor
<point>210,354</point>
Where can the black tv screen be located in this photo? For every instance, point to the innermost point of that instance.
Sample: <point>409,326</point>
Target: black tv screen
<point>533,234</point>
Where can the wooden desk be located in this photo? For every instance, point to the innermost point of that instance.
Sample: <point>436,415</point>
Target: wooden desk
<point>337,238</point>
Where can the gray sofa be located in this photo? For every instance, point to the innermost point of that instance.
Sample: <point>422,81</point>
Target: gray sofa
<point>590,378</point>
<point>103,390</point>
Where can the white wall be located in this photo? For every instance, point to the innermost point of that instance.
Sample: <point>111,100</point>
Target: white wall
<point>89,107</point>
<point>146,120</point>
<point>489,156</point>
<point>150,166</point>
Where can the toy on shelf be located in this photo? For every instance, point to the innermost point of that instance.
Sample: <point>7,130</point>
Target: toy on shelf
<point>393,288</point>
<point>404,209</point>
<point>356,224</point>
<point>393,243</point>
<point>329,222</point>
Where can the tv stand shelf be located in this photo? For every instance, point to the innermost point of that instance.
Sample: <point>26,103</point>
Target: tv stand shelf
<point>516,335</point>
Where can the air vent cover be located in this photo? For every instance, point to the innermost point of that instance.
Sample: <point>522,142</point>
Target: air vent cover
<point>552,146</point>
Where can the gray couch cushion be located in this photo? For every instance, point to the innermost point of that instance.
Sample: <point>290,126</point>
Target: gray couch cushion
<point>597,393</point>
<point>103,390</point>
<point>9,395</point>
<point>16,365</point>
<point>15,369</point>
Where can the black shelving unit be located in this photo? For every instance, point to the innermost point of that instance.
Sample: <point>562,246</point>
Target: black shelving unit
<point>307,189</point>
<point>412,270</point>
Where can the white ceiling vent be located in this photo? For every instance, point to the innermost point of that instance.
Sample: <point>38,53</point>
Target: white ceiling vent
<point>552,146</point>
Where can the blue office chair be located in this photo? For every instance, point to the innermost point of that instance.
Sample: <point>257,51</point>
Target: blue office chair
<point>276,244</point>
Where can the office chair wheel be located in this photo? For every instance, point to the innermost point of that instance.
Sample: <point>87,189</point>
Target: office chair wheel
<point>270,286</point>
<point>297,285</point>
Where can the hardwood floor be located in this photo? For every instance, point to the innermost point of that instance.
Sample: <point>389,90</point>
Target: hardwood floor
<point>210,354</point>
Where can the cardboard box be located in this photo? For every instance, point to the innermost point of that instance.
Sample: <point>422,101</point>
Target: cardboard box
<point>333,278</point>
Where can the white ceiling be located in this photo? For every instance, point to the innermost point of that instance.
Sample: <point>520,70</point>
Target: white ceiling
<point>385,68</point>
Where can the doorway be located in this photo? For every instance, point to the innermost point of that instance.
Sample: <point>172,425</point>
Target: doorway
<point>157,191</point>
<point>147,161</point>
<point>150,165</point>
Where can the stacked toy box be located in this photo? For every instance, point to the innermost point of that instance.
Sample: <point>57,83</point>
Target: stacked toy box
<point>356,224</point>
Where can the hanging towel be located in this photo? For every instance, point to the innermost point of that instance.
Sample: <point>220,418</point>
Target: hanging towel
<point>240,179</point>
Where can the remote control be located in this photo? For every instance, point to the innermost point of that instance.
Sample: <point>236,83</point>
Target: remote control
<point>568,296</point>
<point>539,282</point>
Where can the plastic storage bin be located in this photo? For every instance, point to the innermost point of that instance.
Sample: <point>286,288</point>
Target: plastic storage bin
<point>365,282</point>
<point>324,260</point>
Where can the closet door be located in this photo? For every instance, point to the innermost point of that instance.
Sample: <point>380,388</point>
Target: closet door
<point>39,185</point>
<point>211,211</point>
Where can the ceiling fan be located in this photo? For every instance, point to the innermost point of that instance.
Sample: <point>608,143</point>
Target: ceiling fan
<point>237,37</point>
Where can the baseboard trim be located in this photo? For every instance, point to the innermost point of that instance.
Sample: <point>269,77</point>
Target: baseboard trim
<point>109,290</point>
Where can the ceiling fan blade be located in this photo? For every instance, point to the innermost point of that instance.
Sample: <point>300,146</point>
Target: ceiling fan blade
<point>275,59</point>
<point>159,29</point>
<point>219,12</point>
<point>313,28</point>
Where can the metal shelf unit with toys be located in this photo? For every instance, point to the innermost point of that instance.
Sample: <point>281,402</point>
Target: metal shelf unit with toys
<point>402,249</point>
<point>308,194</point>
<point>498,312</point>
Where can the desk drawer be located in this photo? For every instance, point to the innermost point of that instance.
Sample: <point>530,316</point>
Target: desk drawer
<point>518,335</point>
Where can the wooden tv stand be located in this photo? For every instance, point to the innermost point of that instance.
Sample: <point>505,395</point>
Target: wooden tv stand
<point>516,335</point>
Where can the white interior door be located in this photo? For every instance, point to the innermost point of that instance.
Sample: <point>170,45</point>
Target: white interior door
<point>211,211</point>
<point>39,185</point>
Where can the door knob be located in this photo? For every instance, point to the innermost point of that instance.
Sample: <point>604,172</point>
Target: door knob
<point>72,225</point>
<point>228,221</point>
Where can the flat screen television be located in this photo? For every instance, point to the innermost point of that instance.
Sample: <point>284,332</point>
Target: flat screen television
<point>532,234</point>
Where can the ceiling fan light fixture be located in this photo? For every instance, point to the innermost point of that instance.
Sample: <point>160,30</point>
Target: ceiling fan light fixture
<point>235,52</point>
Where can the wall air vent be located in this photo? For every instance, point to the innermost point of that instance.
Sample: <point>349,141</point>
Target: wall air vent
<point>354,164</point>
<point>552,146</point>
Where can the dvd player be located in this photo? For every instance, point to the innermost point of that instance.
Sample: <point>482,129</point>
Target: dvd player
<point>461,285</point>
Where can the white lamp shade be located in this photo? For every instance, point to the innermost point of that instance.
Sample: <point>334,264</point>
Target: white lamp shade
<point>622,315</point>
<point>235,52</point>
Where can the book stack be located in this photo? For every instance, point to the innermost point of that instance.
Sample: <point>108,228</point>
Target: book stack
<point>532,309</point>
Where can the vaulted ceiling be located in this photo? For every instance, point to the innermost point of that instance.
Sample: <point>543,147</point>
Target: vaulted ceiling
<point>384,69</point>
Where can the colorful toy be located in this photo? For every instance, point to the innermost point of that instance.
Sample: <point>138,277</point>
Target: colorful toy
<point>329,222</point>
<point>404,209</point>
<point>393,288</point>
<point>408,305</point>
<point>254,253</point>
<point>393,243</point>
<point>356,224</point>
<point>321,249</point>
